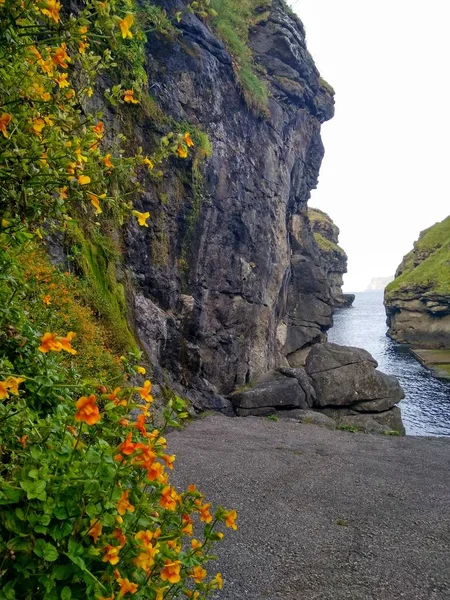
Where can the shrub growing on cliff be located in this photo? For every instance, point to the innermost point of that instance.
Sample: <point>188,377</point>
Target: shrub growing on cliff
<point>88,510</point>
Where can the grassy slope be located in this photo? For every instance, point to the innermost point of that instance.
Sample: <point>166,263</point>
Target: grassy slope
<point>434,272</point>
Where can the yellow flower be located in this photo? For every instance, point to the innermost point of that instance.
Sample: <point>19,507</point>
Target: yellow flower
<point>98,129</point>
<point>52,10</point>
<point>182,151</point>
<point>4,122</point>
<point>148,162</point>
<point>125,25</point>
<point>83,30</point>
<point>47,299</point>
<point>95,203</point>
<point>37,126</point>
<point>61,80</point>
<point>141,217</point>
<point>128,96</point>
<point>82,47</point>
<point>140,370</point>
<point>196,545</point>
<point>169,498</point>
<point>218,581</point>
<point>89,91</point>
<point>84,179</point>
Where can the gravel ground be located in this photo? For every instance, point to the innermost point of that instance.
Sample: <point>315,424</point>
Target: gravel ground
<point>323,514</point>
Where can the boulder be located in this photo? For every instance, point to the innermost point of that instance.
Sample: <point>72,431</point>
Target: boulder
<point>390,420</point>
<point>283,392</point>
<point>304,381</point>
<point>345,376</point>
<point>310,417</point>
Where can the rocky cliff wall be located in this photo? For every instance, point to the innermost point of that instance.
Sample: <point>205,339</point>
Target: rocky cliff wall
<point>228,281</point>
<point>418,300</point>
<point>333,257</point>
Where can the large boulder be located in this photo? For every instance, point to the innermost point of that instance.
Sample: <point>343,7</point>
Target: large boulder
<point>278,392</point>
<point>345,376</point>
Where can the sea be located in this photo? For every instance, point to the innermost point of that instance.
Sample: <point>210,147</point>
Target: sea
<point>426,407</point>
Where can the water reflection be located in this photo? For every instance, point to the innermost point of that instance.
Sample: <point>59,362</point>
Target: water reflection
<point>426,407</point>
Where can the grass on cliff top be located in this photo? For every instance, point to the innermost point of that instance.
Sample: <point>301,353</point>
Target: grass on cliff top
<point>317,215</point>
<point>328,246</point>
<point>232,23</point>
<point>434,272</point>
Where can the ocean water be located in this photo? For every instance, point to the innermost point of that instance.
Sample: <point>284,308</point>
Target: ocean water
<point>426,407</point>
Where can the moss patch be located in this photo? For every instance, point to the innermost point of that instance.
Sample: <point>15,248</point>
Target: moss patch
<point>328,246</point>
<point>427,267</point>
<point>232,23</point>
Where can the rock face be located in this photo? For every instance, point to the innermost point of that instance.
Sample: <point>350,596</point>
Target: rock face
<point>333,257</point>
<point>342,381</point>
<point>418,300</point>
<point>228,279</point>
<point>379,283</point>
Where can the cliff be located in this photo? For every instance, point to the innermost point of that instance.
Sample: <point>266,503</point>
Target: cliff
<point>418,300</point>
<point>379,283</point>
<point>228,280</point>
<point>333,257</point>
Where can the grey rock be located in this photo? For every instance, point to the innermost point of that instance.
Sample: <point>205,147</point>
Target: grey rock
<point>365,423</point>
<point>264,411</point>
<point>307,417</point>
<point>325,357</point>
<point>392,419</point>
<point>304,381</point>
<point>284,392</point>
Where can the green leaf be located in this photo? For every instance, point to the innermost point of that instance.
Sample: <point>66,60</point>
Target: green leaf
<point>93,456</point>
<point>66,594</point>
<point>7,592</point>
<point>91,510</point>
<point>45,550</point>
<point>34,489</point>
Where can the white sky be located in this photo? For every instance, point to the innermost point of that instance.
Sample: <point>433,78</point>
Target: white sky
<point>386,172</point>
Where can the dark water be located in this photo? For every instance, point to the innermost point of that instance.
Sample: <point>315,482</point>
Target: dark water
<point>426,407</point>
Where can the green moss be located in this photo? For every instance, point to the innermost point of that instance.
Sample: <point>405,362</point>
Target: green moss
<point>232,23</point>
<point>432,273</point>
<point>96,258</point>
<point>328,246</point>
<point>326,86</point>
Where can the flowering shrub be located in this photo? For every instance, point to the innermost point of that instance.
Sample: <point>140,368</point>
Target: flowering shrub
<point>87,507</point>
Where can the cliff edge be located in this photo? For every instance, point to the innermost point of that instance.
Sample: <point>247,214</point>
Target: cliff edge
<point>418,300</point>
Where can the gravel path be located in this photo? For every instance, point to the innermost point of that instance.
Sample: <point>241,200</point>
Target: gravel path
<point>323,515</point>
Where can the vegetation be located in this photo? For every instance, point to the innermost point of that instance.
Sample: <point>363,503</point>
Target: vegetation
<point>327,245</point>
<point>427,266</point>
<point>232,20</point>
<point>88,511</point>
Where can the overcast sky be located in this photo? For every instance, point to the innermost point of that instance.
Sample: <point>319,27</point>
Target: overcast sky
<point>386,172</point>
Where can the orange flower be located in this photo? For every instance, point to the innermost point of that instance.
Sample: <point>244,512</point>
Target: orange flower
<point>23,440</point>
<point>115,397</point>
<point>171,571</point>
<point>145,537</point>
<point>187,139</point>
<point>146,559</point>
<point>155,472</point>
<point>119,535</point>
<point>196,545</point>
<point>124,422</point>
<point>60,57</point>
<point>47,299</point>
<point>127,447</point>
<point>203,511</point>
<point>127,586</point>
<point>186,522</point>
<point>192,489</point>
<point>52,10</point>
<point>111,554</point>
<point>145,390</point>
<point>95,529</point>
<point>65,342</point>
<point>5,120</point>
<point>87,410</point>
<point>95,203</point>
<point>107,161</point>
<point>125,25</point>
<point>198,574</point>
<point>140,424</point>
<point>169,460</point>
<point>169,498</point>
<point>128,96</point>
<point>82,47</point>
<point>230,518</point>
<point>12,383</point>
<point>99,129</point>
<point>182,151</point>
<point>123,505</point>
